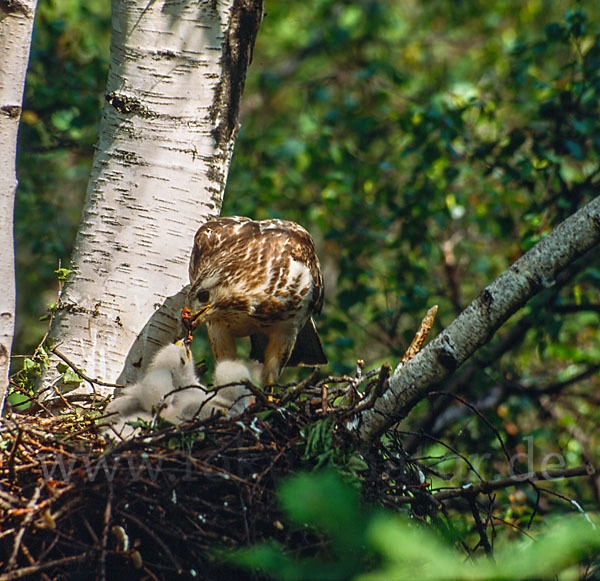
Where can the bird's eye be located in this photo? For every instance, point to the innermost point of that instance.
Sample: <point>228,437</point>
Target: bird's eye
<point>182,361</point>
<point>202,296</point>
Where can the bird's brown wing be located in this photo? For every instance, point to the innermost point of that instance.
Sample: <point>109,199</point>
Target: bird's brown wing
<point>308,350</point>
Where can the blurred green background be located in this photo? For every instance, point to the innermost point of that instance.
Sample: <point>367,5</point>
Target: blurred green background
<point>425,144</point>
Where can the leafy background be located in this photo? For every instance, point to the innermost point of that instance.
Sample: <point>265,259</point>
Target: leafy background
<point>426,145</point>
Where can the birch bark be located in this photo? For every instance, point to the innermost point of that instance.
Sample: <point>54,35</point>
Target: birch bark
<point>16,27</point>
<point>476,325</point>
<point>169,124</point>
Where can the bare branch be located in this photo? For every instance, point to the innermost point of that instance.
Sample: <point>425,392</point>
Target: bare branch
<point>476,325</point>
<point>489,486</point>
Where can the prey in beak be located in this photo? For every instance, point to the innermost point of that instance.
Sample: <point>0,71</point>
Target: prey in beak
<point>192,320</point>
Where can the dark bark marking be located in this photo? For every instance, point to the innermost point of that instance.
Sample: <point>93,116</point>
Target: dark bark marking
<point>447,358</point>
<point>12,111</point>
<point>126,104</point>
<point>13,6</point>
<point>246,16</point>
<point>486,299</point>
<point>596,221</point>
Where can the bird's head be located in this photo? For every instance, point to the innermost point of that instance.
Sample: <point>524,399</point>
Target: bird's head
<point>202,302</point>
<point>174,357</point>
<point>217,298</point>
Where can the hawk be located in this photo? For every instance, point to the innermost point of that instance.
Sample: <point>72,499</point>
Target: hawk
<point>260,279</point>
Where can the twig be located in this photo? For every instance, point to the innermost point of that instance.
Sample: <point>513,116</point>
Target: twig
<point>28,518</point>
<point>514,526</point>
<point>488,486</point>
<point>12,455</point>
<point>33,569</point>
<point>369,401</point>
<point>156,539</point>
<point>454,450</point>
<point>291,394</point>
<point>107,520</point>
<point>59,394</point>
<point>480,414</point>
<point>483,539</point>
<point>81,373</point>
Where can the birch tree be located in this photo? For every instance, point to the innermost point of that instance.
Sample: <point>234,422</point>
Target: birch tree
<point>169,124</point>
<point>16,27</point>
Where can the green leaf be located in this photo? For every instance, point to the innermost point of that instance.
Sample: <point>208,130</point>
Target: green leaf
<point>71,377</point>
<point>63,274</point>
<point>31,366</point>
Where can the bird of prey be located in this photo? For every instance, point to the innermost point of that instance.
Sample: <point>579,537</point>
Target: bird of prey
<point>260,279</point>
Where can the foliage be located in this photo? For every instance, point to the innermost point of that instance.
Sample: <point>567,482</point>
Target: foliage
<point>409,153</point>
<point>426,145</point>
<point>371,545</point>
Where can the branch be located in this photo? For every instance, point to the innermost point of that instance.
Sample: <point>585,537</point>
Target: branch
<point>487,486</point>
<point>491,485</point>
<point>81,373</point>
<point>476,325</point>
<point>462,381</point>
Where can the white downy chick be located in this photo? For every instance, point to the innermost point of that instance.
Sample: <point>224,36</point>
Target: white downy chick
<point>122,428</point>
<point>171,368</point>
<point>232,400</point>
<point>185,404</point>
<point>126,408</point>
<point>227,401</point>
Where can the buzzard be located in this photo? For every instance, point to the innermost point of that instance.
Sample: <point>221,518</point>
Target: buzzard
<point>262,280</point>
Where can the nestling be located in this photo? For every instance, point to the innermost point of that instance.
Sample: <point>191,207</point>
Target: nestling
<point>170,389</point>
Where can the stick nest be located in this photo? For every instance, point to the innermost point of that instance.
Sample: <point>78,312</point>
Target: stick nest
<point>160,505</point>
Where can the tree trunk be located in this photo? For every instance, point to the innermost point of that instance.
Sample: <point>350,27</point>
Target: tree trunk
<point>476,325</point>
<point>169,124</point>
<point>16,27</point>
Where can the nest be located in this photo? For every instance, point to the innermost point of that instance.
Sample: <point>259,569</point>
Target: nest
<point>160,505</point>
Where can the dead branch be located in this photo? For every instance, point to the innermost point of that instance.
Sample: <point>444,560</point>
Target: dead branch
<point>421,334</point>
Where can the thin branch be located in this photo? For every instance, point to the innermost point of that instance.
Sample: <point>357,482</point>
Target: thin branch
<point>34,569</point>
<point>453,450</point>
<point>483,539</point>
<point>568,309</point>
<point>106,528</point>
<point>485,487</point>
<point>490,485</point>
<point>480,414</point>
<point>32,505</point>
<point>81,373</point>
<point>156,539</point>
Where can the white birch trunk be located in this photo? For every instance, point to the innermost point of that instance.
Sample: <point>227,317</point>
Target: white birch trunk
<point>476,325</point>
<point>16,27</point>
<point>169,125</point>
